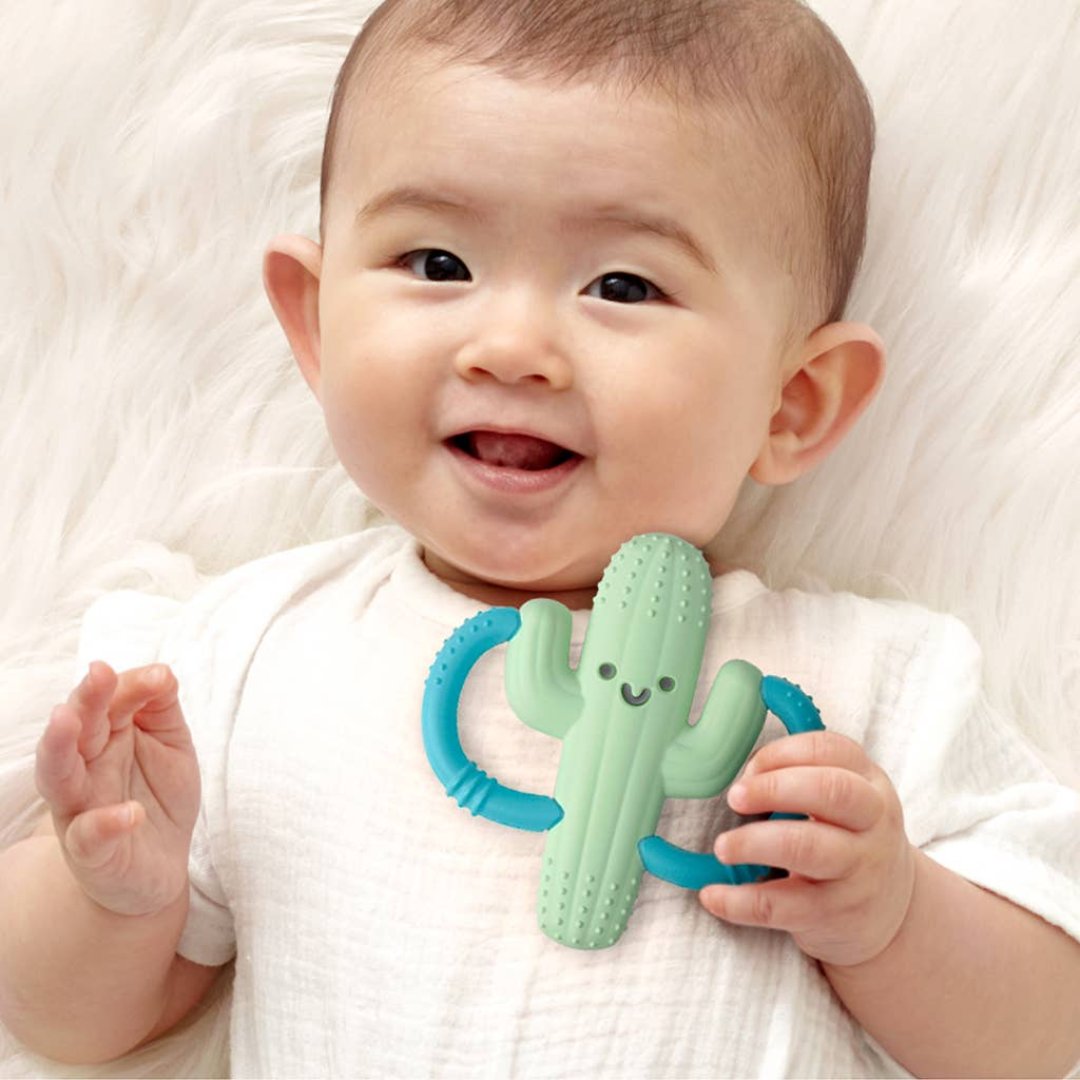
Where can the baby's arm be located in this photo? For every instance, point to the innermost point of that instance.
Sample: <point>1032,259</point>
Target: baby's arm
<point>77,982</point>
<point>972,985</point>
<point>92,905</point>
<point>948,977</point>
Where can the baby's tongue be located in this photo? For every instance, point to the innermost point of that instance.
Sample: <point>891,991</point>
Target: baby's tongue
<point>515,451</point>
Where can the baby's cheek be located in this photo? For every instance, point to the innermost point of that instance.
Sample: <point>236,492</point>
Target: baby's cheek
<point>360,445</point>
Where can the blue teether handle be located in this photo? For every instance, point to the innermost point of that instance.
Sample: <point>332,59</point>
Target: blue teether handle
<point>694,870</point>
<point>464,781</point>
<point>790,705</point>
<point>691,869</point>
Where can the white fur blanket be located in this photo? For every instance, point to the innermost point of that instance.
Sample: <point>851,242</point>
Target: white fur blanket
<point>153,431</point>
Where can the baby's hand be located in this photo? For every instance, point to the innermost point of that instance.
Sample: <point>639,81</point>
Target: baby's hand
<point>851,867</point>
<point>117,767</point>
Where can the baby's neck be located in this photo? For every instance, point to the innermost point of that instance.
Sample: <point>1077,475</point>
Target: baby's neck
<point>488,592</point>
<point>498,596</point>
<point>503,596</point>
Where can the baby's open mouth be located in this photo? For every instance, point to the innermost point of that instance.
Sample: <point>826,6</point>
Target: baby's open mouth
<point>510,451</point>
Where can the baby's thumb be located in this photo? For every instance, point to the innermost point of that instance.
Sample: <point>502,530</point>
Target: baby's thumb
<point>93,837</point>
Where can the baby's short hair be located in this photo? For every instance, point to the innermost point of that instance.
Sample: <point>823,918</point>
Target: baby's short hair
<point>772,63</point>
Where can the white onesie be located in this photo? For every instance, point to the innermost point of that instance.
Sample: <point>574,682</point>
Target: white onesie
<point>381,931</point>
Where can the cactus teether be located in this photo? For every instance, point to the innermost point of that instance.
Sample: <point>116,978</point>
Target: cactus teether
<point>623,715</point>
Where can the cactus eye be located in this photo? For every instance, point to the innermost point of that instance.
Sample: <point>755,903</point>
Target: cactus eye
<point>607,671</point>
<point>666,683</point>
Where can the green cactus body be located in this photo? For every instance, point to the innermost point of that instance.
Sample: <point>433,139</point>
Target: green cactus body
<point>623,715</point>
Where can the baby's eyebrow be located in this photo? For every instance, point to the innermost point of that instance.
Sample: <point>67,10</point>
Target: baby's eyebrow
<point>653,224</point>
<point>414,198</point>
<point>614,214</point>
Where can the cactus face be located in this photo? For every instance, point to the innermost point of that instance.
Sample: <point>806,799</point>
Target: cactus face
<point>646,636</point>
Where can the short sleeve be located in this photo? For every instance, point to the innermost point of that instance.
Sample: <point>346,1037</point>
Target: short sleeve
<point>129,629</point>
<point>209,936</point>
<point>977,798</point>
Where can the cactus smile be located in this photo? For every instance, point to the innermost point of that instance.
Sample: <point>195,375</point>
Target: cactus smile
<point>635,699</point>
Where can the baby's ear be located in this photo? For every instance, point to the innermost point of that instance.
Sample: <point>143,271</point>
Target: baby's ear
<point>838,370</point>
<point>292,267</point>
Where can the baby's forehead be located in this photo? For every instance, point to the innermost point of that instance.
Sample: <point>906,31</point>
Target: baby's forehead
<point>609,139</point>
<point>633,145</point>
<point>710,126</point>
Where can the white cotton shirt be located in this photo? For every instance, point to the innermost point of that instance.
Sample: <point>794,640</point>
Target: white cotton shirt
<point>381,931</point>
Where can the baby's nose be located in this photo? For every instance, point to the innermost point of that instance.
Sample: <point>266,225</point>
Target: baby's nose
<point>515,344</point>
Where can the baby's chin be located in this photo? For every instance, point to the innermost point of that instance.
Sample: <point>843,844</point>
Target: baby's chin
<point>488,580</point>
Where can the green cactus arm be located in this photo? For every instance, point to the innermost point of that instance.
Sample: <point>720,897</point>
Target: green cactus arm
<point>540,684</point>
<point>705,758</point>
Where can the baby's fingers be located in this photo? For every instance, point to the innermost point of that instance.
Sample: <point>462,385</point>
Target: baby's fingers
<point>812,849</point>
<point>812,748</point>
<point>92,838</point>
<point>838,796</point>
<point>60,772</point>
<point>150,695</point>
<point>90,701</point>
<point>774,905</point>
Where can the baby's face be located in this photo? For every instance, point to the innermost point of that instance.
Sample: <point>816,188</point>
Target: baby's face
<point>544,323</point>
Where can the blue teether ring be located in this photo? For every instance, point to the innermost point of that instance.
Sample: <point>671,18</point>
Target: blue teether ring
<point>467,784</point>
<point>694,870</point>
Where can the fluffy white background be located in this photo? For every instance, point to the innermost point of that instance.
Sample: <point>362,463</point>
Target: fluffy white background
<point>153,431</point>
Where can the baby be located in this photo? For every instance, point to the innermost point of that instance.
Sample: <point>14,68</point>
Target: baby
<point>582,270</point>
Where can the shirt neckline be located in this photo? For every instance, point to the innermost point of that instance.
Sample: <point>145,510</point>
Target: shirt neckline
<point>415,586</point>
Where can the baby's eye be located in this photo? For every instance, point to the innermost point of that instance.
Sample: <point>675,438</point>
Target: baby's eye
<point>624,288</point>
<point>435,265</point>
